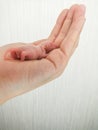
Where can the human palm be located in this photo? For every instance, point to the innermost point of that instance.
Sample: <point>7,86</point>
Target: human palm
<point>18,77</point>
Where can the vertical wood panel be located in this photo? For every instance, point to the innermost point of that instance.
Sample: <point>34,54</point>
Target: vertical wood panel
<point>69,102</point>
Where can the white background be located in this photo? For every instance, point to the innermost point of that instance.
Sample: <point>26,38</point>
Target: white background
<point>71,101</point>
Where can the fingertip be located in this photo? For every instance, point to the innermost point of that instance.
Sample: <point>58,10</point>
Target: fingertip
<point>64,10</point>
<point>83,7</point>
<point>74,6</point>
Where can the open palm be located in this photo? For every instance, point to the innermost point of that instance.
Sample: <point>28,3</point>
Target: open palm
<point>17,77</point>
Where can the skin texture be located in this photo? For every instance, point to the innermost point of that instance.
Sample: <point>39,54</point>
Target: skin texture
<point>18,77</point>
<point>30,52</point>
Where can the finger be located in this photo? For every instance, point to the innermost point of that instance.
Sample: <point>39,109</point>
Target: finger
<point>77,41</point>
<point>65,26</point>
<point>68,43</point>
<point>58,25</point>
<point>75,46</point>
<point>74,31</point>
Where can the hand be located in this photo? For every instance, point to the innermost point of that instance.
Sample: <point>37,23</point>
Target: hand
<point>18,77</point>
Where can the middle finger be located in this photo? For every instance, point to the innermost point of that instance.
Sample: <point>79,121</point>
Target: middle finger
<point>65,26</point>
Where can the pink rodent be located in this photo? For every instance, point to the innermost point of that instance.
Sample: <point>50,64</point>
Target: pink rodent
<point>30,52</point>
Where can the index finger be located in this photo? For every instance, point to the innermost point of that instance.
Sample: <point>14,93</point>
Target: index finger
<point>58,25</point>
<point>74,31</point>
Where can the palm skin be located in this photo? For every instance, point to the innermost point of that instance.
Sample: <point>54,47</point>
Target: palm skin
<point>17,77</point>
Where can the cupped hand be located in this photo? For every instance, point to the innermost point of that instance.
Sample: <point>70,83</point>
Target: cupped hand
<point>17,77</point>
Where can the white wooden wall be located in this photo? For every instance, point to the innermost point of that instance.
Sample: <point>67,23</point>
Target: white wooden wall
<point>71,101</point>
